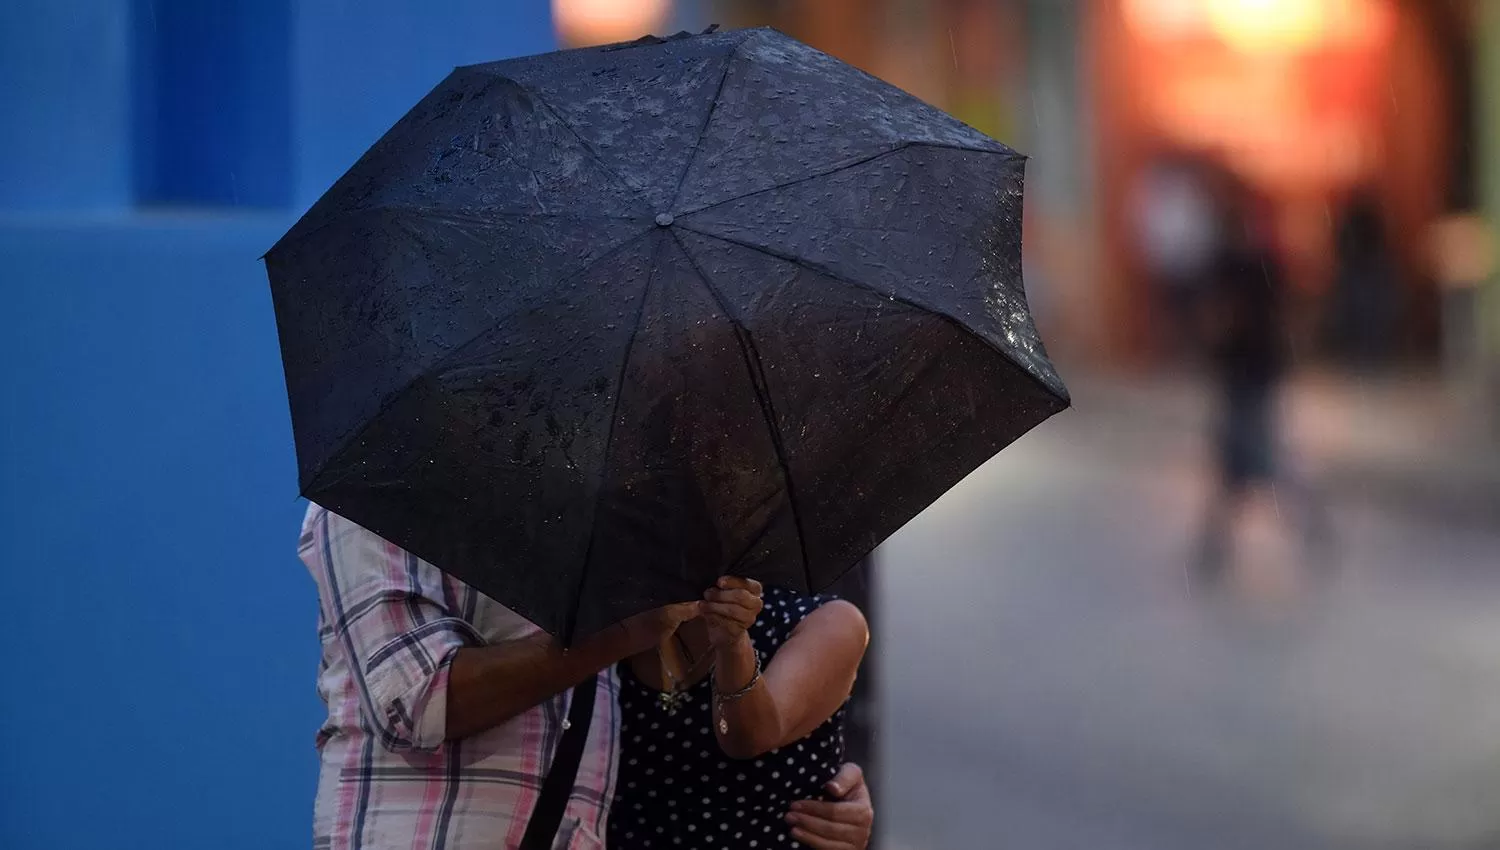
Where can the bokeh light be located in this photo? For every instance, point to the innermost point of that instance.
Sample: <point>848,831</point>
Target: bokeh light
<point>584,22</point>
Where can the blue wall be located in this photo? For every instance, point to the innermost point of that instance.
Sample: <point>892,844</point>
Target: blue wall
<point>213,115</point>
<point>161,660</point>
<point>65,69</point>
<point>161,638</point>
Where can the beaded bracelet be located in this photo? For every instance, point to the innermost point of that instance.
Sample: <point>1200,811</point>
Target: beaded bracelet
<point>721,698</point>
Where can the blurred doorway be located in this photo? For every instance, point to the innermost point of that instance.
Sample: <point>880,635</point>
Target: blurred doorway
<point>1315,104</point>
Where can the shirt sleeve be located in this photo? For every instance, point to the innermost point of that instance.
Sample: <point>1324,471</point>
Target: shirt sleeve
<point>396,622</point>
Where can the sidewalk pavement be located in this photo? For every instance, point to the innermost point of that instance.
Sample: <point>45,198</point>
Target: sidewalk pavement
<point>1409,443</point>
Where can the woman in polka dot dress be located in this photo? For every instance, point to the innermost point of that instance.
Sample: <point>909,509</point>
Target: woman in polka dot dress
<point>733,719</point>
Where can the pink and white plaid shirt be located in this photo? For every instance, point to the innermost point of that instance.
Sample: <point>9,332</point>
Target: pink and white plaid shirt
<point>390,624</point>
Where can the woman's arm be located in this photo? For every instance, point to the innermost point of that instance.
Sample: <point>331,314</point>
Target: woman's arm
<point>810,676</point>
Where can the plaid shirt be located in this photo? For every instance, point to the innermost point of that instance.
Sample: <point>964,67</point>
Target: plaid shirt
<point>390,625</point>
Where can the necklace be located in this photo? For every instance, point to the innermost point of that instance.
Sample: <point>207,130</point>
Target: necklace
<point>675,696</point>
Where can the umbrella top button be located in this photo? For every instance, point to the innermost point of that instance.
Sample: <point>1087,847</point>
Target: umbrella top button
<point>664,219</point>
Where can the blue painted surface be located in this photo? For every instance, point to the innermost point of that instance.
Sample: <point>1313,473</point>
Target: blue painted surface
<point>66,123</point>
<point>359,65</point>
<point>213,102</point>
<point>161,632</point>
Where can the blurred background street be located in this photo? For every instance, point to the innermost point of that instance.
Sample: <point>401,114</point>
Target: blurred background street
<point>1051,666</point>
<point>1053,678</point>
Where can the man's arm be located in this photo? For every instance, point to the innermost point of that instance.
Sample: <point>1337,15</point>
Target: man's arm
<point>424,675</point>
<point>490,685</point>
<point>844,824</point>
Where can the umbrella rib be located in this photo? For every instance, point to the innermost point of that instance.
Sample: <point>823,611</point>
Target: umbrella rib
<point>813,267</point>
<point>585,269</point>
<point>900,299</point>
<point>751,358</point>
<point>486,215</point>
<point>614,411</point>
<point>832,169</point>
<point>703,130</point>
<point>391,400</point>
<point>603,166</point>
<point>846,164</point>
<point>434,215</point>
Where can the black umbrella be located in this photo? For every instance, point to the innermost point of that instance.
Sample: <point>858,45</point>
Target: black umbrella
<point>590,329</point>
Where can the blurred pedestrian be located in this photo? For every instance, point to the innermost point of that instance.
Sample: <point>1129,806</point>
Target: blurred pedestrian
<point>1365,296</point>
<point>1249,345</point>
<point>1175,222</point>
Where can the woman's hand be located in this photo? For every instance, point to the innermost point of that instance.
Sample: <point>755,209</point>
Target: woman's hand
<point>845,823</point>
<point>730,608</point>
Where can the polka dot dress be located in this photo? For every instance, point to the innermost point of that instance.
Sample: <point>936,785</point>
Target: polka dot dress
<point>677,789</point>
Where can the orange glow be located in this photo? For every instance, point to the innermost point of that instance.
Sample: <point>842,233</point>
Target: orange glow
<point>1166,19</point>
<point>1258,26</point>
<point>1286,91</point>
<point>581,23</point>
<point>1265,26</point>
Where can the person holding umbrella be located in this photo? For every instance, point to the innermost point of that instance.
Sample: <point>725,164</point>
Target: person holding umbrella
<point>734,725</point>
<point>582,335</point>
<point>448,714</point>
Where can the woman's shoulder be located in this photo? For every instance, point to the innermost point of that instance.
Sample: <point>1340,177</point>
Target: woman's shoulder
<point>834,627</point>
<point>786,609</point>
<point>783,599</point>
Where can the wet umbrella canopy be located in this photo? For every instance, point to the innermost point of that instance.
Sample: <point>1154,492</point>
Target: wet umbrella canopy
<point>590,329</point>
